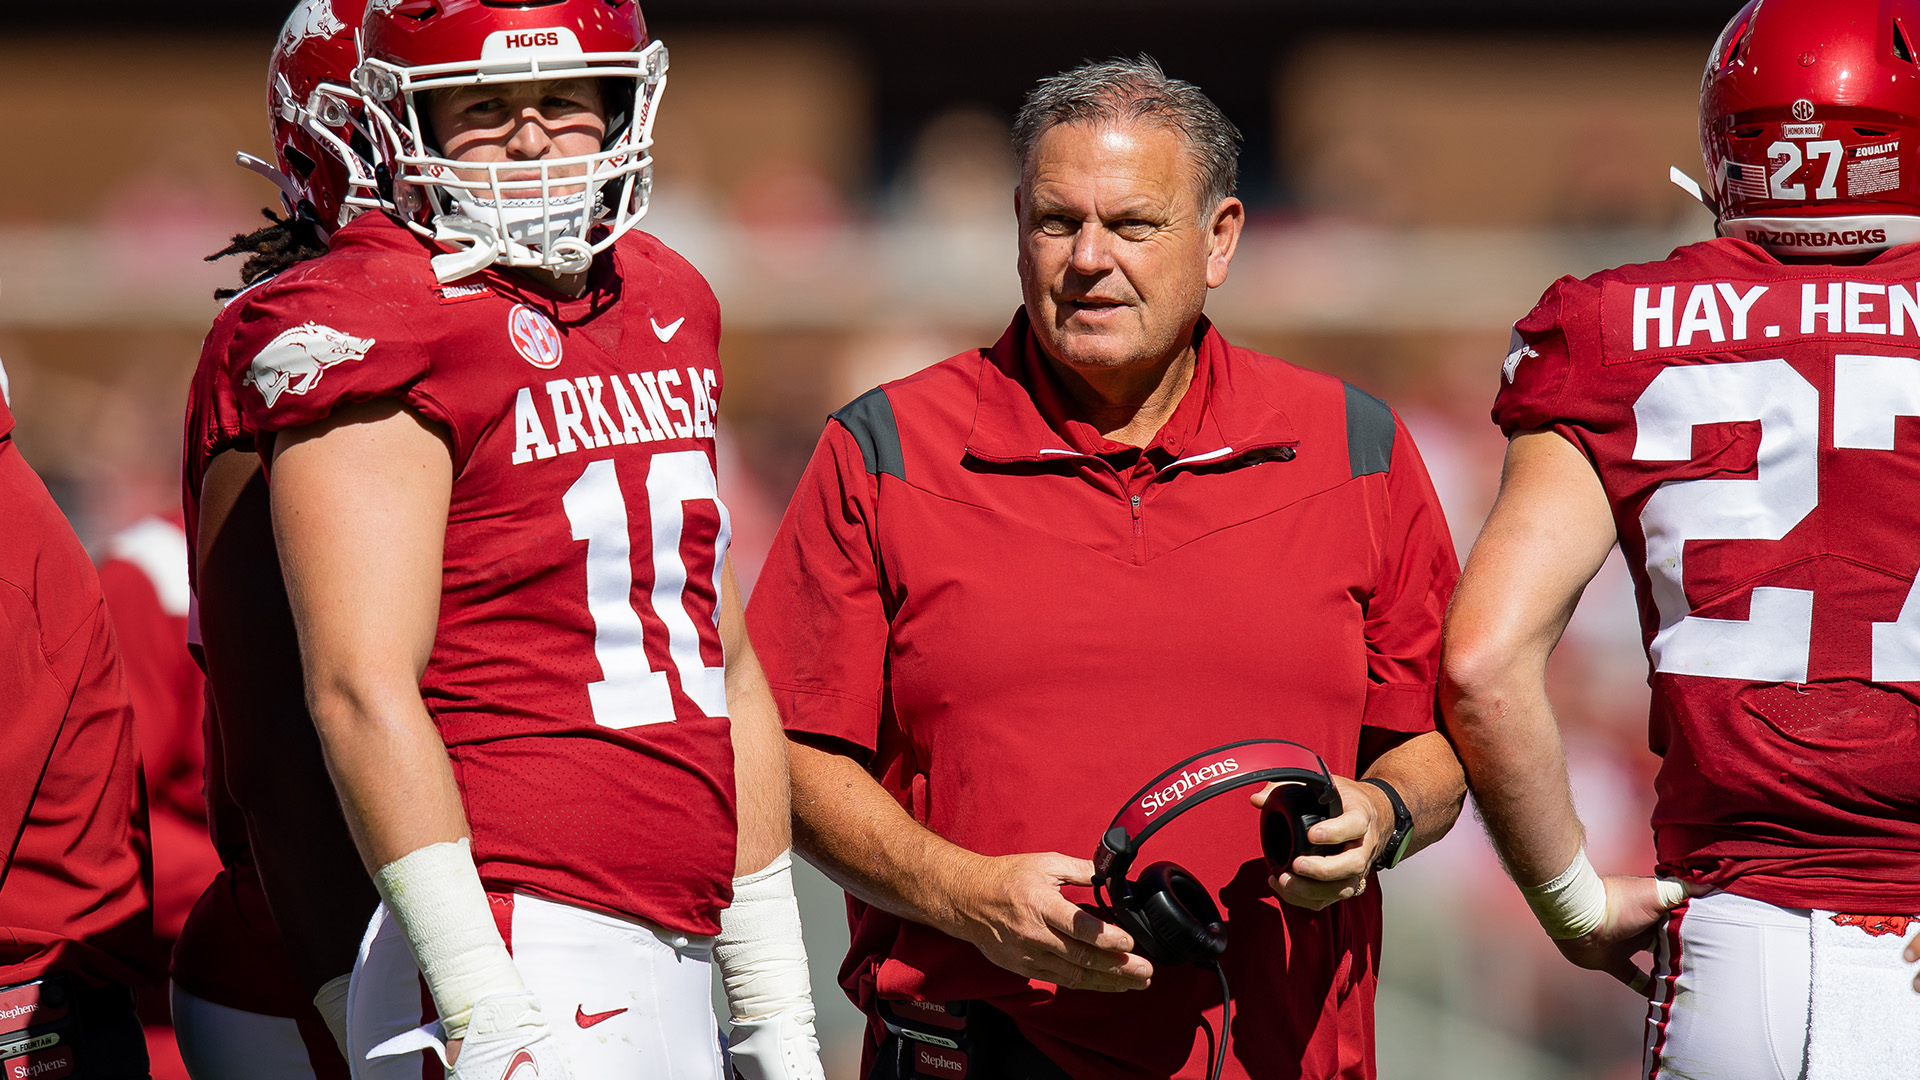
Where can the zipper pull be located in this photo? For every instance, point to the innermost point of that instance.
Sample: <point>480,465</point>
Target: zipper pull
<point>1136,508</point>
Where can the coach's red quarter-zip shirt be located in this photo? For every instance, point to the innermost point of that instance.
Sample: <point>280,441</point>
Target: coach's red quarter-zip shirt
<point>76,883</point>
<point>1016,624</point>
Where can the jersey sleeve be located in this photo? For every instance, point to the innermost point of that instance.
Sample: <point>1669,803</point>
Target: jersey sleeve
<point>818,617</point>
<point>305,348</point>
<point>1415,580</point>
<point>1535,373</point>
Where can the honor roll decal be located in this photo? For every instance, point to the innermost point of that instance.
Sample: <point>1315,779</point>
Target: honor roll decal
<point>534,337</point>
<point>293,362</point>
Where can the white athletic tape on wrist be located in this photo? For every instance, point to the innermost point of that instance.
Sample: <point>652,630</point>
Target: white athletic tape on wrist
<point>436,896</point>
<point>1571,905</point>
<point>1672,891</point>
<point>762,959</point>
<point>331,1001</point>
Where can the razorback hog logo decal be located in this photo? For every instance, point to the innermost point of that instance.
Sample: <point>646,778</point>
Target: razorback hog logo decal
<point>1878,925</point>
<point>293,362</point>
<point>312,19</point>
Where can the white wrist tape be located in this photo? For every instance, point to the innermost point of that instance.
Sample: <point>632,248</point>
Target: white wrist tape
<point>1672,891</point>
<point>331,1001</point>
<point>1571,905</point>
<point>436,897</point>
<point>762,959</point>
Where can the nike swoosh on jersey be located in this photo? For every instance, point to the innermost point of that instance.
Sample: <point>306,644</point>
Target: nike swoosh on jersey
<point>665,333</point>
<point>586,1019</point>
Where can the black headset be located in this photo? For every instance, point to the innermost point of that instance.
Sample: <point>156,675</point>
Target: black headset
<point>1170,914</point>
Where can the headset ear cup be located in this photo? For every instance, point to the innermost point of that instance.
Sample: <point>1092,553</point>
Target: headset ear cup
<point>1185,925</point>
<point>1291,810</point>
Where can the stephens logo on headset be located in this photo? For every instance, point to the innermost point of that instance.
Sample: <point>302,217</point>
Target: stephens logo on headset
<point>1188,780</point>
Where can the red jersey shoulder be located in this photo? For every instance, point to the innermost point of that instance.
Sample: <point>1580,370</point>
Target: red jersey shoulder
<point>345,327</point>
<point>1721,299</point>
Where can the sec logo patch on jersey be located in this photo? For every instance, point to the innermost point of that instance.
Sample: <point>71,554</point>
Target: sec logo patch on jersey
<point>534,337</point>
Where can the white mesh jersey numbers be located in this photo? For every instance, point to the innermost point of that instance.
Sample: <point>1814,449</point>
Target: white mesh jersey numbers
<point>1773,643</point>
<point>629,692</point>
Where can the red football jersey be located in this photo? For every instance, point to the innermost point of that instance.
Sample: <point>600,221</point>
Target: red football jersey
<point>77,893</point>
<point>229,951</point>
<point>577,675</point>
<point>1745,418</point>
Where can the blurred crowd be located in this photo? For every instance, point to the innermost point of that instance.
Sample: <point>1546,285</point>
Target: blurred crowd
<point>1427,192</point>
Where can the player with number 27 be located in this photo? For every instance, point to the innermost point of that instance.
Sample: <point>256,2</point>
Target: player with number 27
<point>1743,419</point>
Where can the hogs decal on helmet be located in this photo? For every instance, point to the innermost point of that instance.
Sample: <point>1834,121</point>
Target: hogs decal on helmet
<point>576,206</point>
<point>1809,119</point>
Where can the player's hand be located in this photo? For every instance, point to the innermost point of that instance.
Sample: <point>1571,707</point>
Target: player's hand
<point>1912,955</point>
<point>506,1031</point>
<point>1634,910</point>
<point>1011,909</point>
<point>1317,881</point>
<point>778,1047</point>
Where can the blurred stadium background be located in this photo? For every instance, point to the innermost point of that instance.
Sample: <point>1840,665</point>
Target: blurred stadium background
<point>1417,173</point>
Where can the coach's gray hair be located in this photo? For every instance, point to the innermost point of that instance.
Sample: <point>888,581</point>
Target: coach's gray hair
<point>1108,91</point>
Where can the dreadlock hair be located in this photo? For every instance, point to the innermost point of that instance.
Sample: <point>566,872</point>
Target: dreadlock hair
<point>272,248</point>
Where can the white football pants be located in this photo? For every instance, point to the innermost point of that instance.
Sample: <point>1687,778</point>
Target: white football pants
<point>222,1043</point>
<point>1731,982</point>
<point>625,999</point>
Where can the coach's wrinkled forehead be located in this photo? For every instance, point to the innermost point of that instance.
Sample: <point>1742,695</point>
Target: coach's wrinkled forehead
<point>1112,91</point>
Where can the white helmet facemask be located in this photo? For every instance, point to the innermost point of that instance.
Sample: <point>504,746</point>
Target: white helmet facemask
<point>553,214</point>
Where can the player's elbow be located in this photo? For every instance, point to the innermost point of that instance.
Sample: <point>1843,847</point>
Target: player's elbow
<point>1480,678</point>
<point>354,701</point>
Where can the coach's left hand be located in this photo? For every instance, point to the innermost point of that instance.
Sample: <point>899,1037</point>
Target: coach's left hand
<point>1316,881</point>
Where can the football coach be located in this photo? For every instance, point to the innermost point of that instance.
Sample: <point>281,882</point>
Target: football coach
<point>1017,586</point>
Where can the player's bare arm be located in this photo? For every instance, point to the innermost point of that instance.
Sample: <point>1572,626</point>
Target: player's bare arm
<point>312,875</point>
<point>1424,771</point>
<point>760,950</point>
<point>1548,534</point>
<point>359,510</point>
<point>759,744</point>
<point>1010,907</point>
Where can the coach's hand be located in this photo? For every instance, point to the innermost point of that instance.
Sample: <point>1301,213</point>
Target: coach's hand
<point>1635,907</point>
<point>1317,881</point>
<point>1010,907</point>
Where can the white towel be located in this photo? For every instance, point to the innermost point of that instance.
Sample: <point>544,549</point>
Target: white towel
<point>1864,1016</point>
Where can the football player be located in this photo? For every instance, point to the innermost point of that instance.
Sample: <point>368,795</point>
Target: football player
<point>260,973</point>
<point>488,421</point>
<point>1737,418</point>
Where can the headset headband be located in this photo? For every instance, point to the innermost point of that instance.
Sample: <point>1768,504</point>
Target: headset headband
<point>1182,787</point>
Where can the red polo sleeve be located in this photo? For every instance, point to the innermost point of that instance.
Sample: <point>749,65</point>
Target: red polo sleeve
<point>818,618</point>
<point>1415,579</point>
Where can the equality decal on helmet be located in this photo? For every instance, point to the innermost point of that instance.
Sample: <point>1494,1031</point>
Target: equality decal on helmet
<point>534,337</point>
<point>294,362</point>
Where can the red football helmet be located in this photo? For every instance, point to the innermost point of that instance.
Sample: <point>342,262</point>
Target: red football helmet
<point>576,206</point>
<point>1809,112</point>
<point>315,115</point>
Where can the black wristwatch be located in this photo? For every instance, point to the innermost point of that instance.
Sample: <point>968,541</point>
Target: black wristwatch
<point>1396,849</point>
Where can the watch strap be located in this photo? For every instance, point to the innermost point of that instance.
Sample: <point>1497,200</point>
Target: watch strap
<point>1397,843</point>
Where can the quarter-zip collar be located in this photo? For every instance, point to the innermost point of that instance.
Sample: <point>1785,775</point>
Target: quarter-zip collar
<point>1022,413</point>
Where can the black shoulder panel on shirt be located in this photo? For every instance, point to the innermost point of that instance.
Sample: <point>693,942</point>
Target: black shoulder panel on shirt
<point>1369,432</point>
<point>870,420</point>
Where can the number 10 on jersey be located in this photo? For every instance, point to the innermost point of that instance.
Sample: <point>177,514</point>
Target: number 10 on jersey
<point>630,692</point>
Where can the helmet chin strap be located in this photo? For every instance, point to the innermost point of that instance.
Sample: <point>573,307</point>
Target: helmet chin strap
<point>279,179</point>
<point>1692,187</point>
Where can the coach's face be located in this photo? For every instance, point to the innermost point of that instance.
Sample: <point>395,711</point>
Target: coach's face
<point>1117,251</point>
